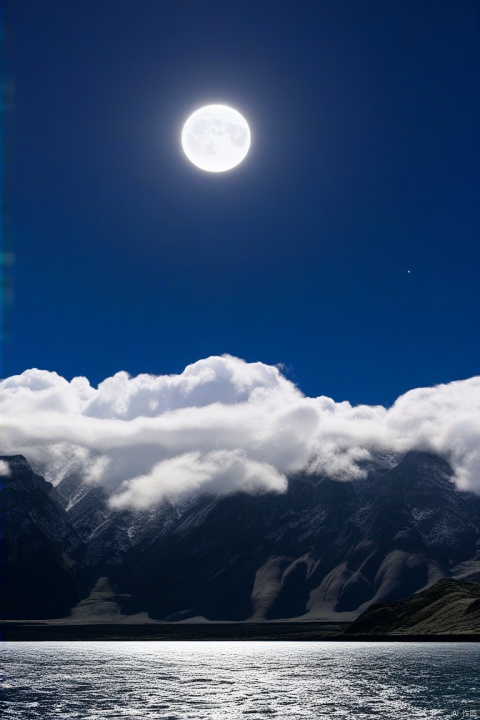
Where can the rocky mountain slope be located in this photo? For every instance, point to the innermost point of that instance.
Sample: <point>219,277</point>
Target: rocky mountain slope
<point>39,547</point>
<point>325,550</point>
<point>447,607</point>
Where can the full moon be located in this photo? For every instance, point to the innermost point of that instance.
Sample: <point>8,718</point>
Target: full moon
<point>216,138</point>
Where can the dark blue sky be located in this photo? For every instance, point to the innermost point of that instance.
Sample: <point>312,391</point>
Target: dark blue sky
<point>364,164</point>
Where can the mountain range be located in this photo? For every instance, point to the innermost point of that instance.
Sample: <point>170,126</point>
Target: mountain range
<point>323,551</point>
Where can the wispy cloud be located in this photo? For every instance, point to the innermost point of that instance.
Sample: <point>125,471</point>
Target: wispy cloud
<point>223,425</point>
<point>4,469</point>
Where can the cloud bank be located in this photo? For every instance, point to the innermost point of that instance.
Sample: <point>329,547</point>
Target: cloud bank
<point>220,426</point>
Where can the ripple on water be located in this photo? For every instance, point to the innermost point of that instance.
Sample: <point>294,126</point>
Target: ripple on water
<point>215,681</point>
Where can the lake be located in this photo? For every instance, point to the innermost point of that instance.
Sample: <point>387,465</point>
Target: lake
<point>233,680</point>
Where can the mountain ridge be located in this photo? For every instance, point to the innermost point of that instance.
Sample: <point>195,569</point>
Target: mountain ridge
<point>324,551</point>
<point>449,606</point>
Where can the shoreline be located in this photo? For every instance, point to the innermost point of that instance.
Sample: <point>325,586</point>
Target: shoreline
<point>209,632</point>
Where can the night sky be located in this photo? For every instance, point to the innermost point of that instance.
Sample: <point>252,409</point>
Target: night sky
<point>364,165</point>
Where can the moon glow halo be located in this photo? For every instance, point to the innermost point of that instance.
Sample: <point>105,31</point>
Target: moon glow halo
<point>216,138</point>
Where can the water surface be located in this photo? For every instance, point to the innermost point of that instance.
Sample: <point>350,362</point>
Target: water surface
<point>239,680</point>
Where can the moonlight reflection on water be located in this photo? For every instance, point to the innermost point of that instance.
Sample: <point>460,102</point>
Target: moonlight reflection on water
<point>255,680</point>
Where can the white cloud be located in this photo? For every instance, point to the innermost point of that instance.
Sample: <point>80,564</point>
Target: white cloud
<point>220,471</point>
<point>220,426</point>
<point>4,469</point>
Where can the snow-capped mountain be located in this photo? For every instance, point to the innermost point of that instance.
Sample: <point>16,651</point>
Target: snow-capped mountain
<point>324,550</point>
